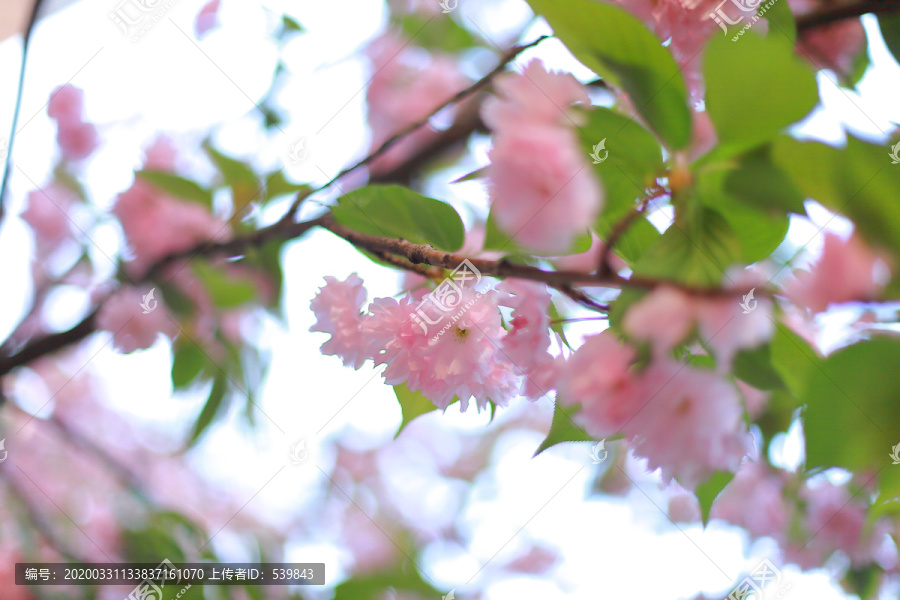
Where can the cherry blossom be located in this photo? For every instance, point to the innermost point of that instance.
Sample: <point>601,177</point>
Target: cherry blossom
<point>132,329</point>
<point>845,272</point>
<point>337,307</point>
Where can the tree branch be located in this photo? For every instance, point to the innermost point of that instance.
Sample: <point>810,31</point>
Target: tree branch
<point>836,12</point>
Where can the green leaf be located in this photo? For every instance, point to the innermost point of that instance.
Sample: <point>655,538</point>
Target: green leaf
<point>615,44</point>
<point>633,160</point>
<point>781,20</point>
<point>889,24</point>
<point>290,24</point>
<point>443,34</point>
<point>177,186</point>
<point>709,490</point>
<point>412,405</point>
<point>226,292</point>
<point>188,362</point>
<point>755,367</point>
<point>758,183</point>
<point>563,428</point>
<point>759,229</point>
<point>212,409</point>
<point>640,236</point>
<point>403,578</point>
<point>851,418</point>
<point>395,211</point>
<point>278,185</point>
<point>793,358</point>
<point>696,252</point>
<point>244,183</point>
<point>740,74</point>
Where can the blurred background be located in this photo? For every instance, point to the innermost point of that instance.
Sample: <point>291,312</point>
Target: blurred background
<point>118,457</point>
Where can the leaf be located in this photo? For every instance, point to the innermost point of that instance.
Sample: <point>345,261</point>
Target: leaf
<point>758,183</point>
<point>709,490</point>
<point>633,160</point>
<point>177,186</point>
<point>213,407</point>
<point>244,183</point>
<point>226,292</point>
<point>637,239</point>
<point>793,358</point>
<point>278,185</point>
<point>188,362</point>
<point>851,418</point>
<point>443,34</point>
<point>375,585</point>
<point>696,252</point>
<point>395,211</point>
<point>290,24</point>
<point>412,405</point>
<point>755,367</point>
<point>615,44</point>
<point>739,75</point>
<point>889,24</point>
<point>563,428</point>
<point>781,20</point>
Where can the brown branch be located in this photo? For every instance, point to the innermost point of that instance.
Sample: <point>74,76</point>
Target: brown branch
<point>836,12</point>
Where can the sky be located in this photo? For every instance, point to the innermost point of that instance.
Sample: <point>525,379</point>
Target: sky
<point>168,82</point>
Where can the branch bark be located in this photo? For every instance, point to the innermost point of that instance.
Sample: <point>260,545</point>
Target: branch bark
<point>837,12</point>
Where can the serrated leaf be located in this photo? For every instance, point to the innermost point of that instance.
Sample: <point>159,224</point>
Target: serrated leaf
<point>177,186</point>
<point>709,490</point>
<point>412,405</point>
<point>563,428</point>
<point>396,211</point>
<point>738,74</point>
<point>615,44</point>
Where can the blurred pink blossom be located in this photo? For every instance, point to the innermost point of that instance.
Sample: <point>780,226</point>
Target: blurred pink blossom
<point>46,213</point>
<point>123,316</point>
<point>845,272</point>
<point>207,18</point>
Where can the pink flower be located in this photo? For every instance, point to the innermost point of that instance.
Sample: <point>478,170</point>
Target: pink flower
<point>460,356</point>
<point>755,500</point>
<point>836,521</point>
<point>161,155</point>
<point>599,376</point>
<point>337,307</point>
<point>207,18</point>
<point>66,104</point>
<point>46,214</point>
<point>690,423</point>
<point>77,140</point>
<point>683,505</point>
<point>666,315</point>
<point>542,192</point>
<point>157,224</point>
<point>528,338</point>
<point>123,315</point>
<point>535,96</point>
<point>401,94</point>
<point>845,272</point>
<point>833,46</point>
